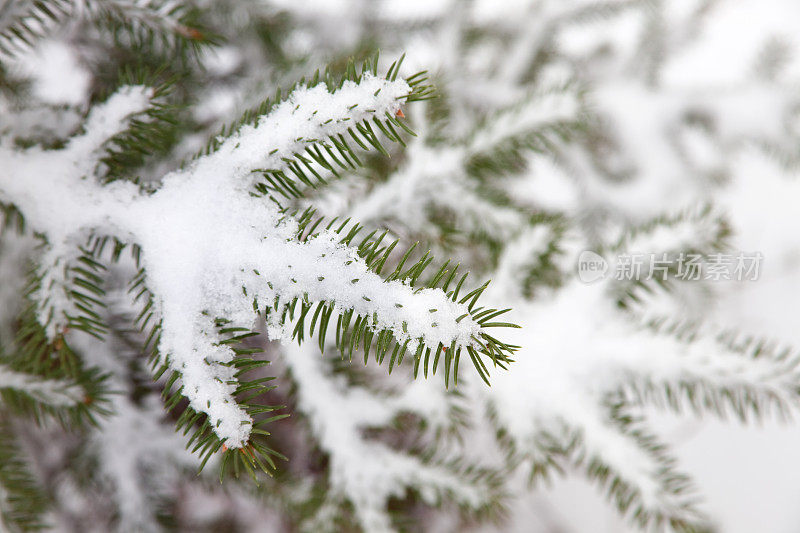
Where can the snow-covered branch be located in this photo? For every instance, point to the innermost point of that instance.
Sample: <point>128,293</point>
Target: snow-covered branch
<point>211,248</point>
<point>363,472</point>
<point>438,178</point>
<point>54,393</point>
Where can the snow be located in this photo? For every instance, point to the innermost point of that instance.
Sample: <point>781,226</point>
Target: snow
<point>666,144</point>
<point>210,248</point>
<point>221,61</point>
<point>369,473</point>
<point>536,112</point>
<point>139,455</point>
<point>730,41</point>
<point>57,74</point>
<point>682,111</point>
<point>51,392</point>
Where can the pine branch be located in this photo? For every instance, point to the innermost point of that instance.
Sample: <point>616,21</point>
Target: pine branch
<point>24,23</point>
<point>449,188</point>
<point>45,379</point>
<point>259,258</point>
<point>256,454</point>
<point>49,392</point>
<point>718,372</point>
<point>143,23</point>
<point>328,154</point>
<point>368,473</point>
<point>698,231</point>
<point>22,503</point>
<point>355,330</point>
<point>537,124</point>
<point>612,448</point>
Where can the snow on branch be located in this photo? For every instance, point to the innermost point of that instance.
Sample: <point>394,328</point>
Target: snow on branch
<point>60,197</point>
<point>211,248</point>
<point>440,177</point>
<point>23,23</point>
<point>21,501</point>
<point>529,120</point>
<point>52,392</point>
<point>580,349</point>
<point>134,437</point>
<point>369,473</point>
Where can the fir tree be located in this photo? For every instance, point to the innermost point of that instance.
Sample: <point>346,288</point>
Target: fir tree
<point>154,248</point>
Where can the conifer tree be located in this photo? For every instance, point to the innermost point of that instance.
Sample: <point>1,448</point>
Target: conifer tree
<point>284,280</point>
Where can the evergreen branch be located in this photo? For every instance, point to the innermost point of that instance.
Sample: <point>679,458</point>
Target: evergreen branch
<point>531,262</point>
<point>629,464</point>
<point>255,454</point>
<point>538,123</point>
<point>458,207</point>
<point>150,132</point>
<point>145,19</point>
<point>720,373</point>
<point>442,190</point>
<point>44,379</point>
<point>259,257</point>
<point>22,23</point>
<point>22,503</point>
<point>698,231</point>
<point>329,154</point>
<point>144,23</point>
<point>367,473</point>
<point>52,393</point>
<point>66,285</point>
<point>356,331</point>
<point>671,503</point>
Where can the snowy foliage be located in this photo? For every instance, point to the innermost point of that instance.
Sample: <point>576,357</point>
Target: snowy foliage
<point>169,245</point>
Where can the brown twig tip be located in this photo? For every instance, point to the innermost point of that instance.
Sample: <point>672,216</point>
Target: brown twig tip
<point>400,113</point>
<point>190,33</point>
<point>248,451</point>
